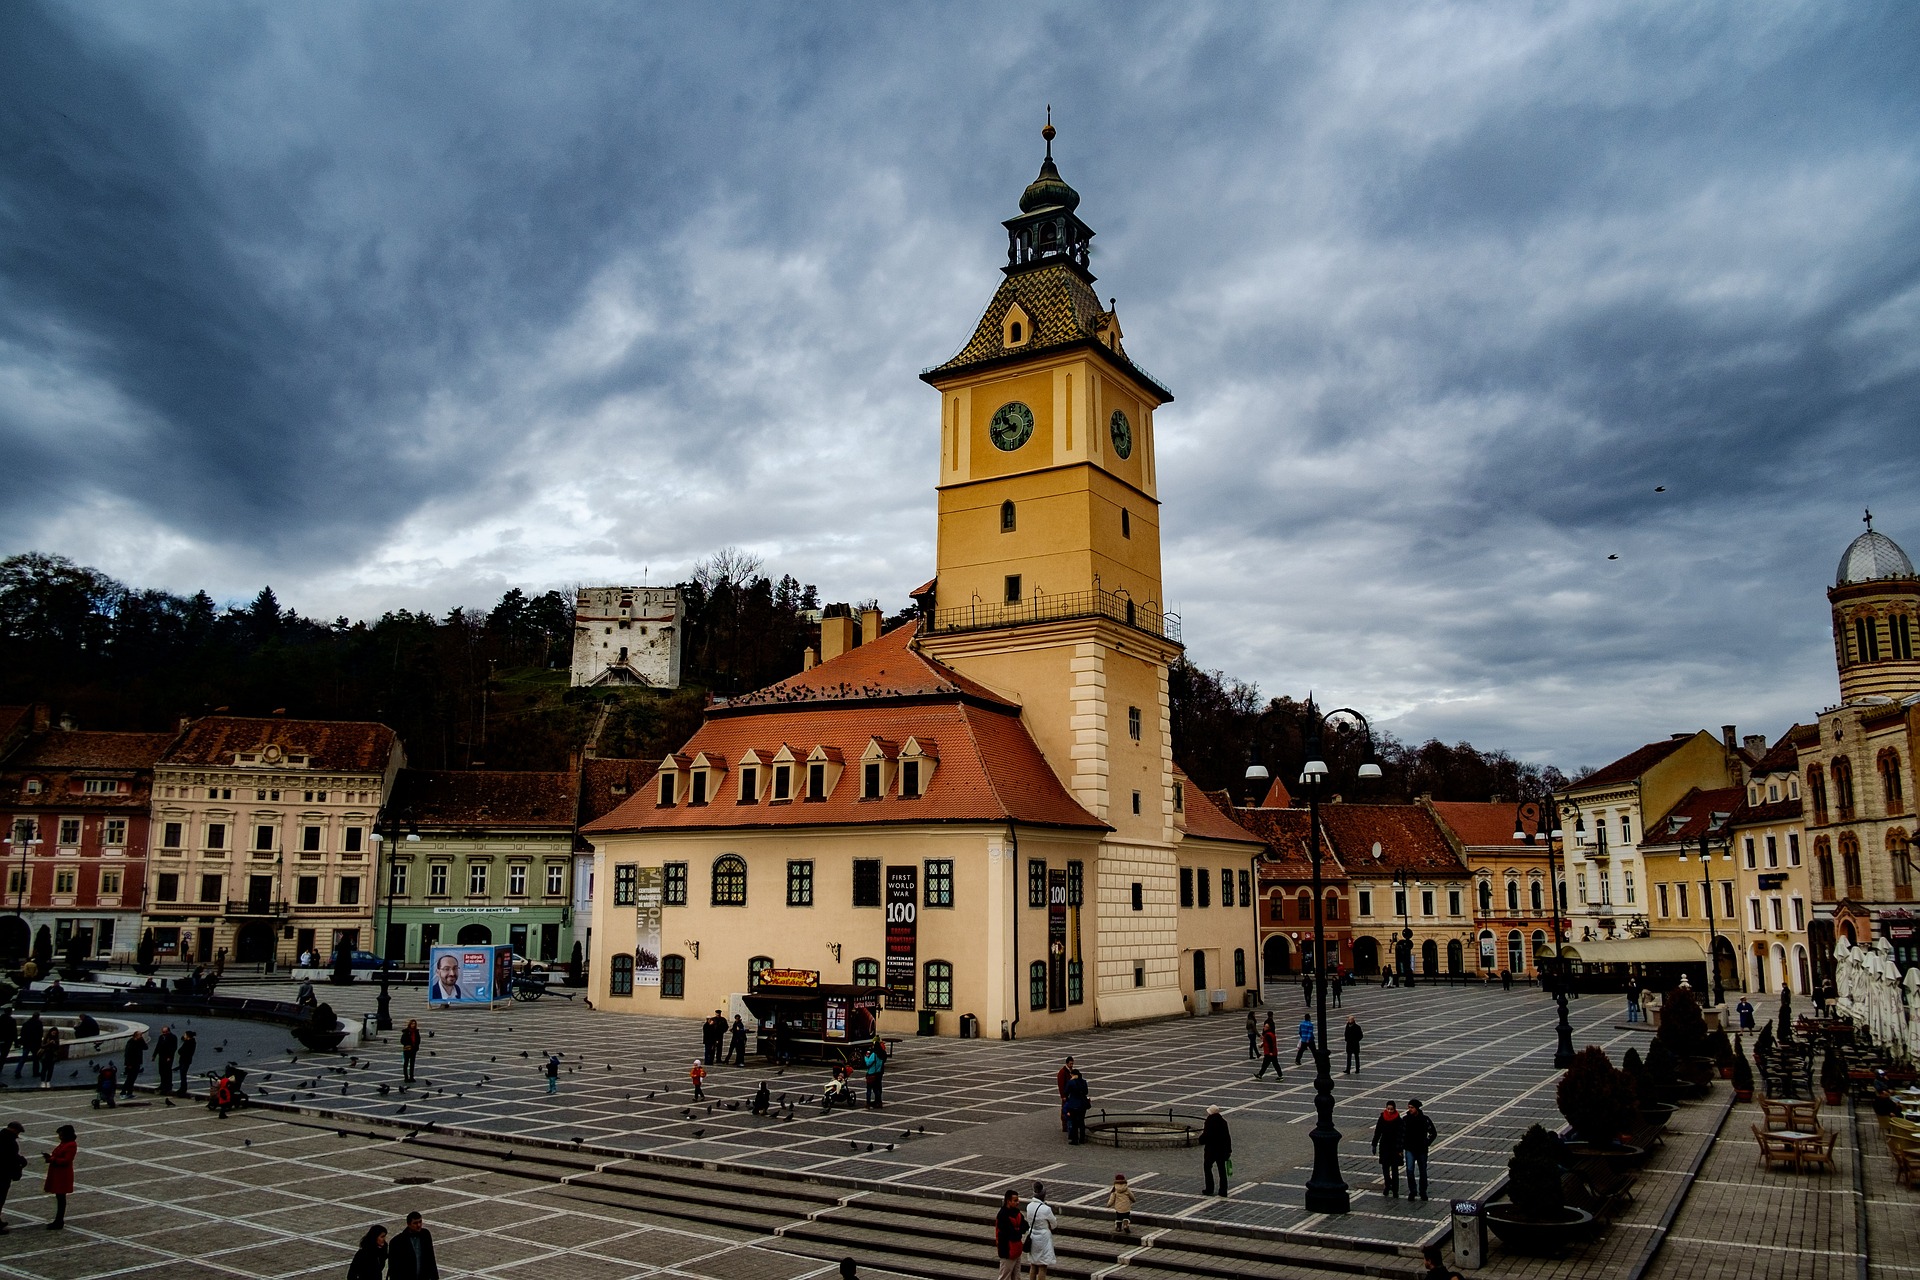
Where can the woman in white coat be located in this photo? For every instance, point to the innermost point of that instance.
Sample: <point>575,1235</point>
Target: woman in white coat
<point>1040,1221</point>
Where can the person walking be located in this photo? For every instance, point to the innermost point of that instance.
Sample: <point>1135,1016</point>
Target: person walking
<point>1040,1220</point>
<point>1253,1037</point>
<point>1353,1034</point>
<point>1060,1078</point>
<point>10,1032</point>
<point>59,1183</point>
<point>876,1065</point>
<point>1334,984</point>
<point>32,1032</point>
<point>370,1260</point>
<point>1305,1031</point>
<point>189,1045</point>
<point>12,1164</point>
<point>409,1049</point>
<point>1269,1053</point>
<point>165,1046</point>
<point>1078,1102</point>
<point>1120,1200</point>
<point>410,1254</point>
<point>1417,1135</point>
<point>553,1073</point>
<point>1216,1148</point>
<point>698,1074</point>
<point>1745,1010</point>
<point>1387,1145</point>
<point>132,1061</point>
<point>1633,1003</point>
<point>737,1048</point>
<point>1009,1235</point>
<point>1306,986</point>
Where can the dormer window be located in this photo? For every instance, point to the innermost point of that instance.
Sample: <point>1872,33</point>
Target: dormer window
<point>909,779</point>
<point>33,786</point>
<point>1017,328</point>
<point>870,780</point>
<point>783,782</point>
<point>699,795</point>
<point>666,790</point>
<point>1015,334</point>
<point>749,784</point>
<point>816,782</point>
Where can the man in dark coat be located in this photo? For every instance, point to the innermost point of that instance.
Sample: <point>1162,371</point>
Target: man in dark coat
<point>1353,1033</point>
<point>1216,1147</point>
<point>31,1034</point>
<point>1009,1229</point>
<point>1078,1101</point>
<point>713,1034</point>
<point>1388,1136</point>
<point>189,1044</point>
<point>737,1049</point>
<point>12,1163</point>
<point>132,1062</point>
<point>164,1049</point>
<point>1417,1134</point>
<point>410,1254</point>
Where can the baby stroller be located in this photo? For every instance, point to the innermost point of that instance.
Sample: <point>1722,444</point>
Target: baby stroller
<point>225,1092</point>
<point>838,1093</point>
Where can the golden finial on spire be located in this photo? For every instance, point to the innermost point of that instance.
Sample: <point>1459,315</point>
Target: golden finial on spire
<point>1048,131</point>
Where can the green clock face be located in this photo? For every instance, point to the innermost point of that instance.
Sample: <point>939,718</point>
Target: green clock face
<point>1012,426</point>
<point>1122,432</point>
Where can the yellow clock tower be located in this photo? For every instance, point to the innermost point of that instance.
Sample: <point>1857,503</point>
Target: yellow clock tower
<point>1049,568</point>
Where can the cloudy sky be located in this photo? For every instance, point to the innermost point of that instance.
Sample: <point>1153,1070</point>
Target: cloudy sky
<point>403,304</point>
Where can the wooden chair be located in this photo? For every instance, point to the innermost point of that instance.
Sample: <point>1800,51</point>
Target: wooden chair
<point>1817,1153</point>
<point>1906,1158</point>
<point>1790,1113</point>
<point>1776,1150</point>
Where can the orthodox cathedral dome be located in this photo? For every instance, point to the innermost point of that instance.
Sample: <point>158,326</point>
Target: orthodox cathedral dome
<point>1872,557</point>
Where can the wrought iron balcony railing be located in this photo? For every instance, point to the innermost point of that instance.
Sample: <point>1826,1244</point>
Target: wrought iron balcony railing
<point>1113,605</point>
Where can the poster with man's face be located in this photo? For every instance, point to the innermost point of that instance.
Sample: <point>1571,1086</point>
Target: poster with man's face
<point>461,975</point>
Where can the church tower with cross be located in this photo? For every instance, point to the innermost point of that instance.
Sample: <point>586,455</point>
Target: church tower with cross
<point>1875,599</point>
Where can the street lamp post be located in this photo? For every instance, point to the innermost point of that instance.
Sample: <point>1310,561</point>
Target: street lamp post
<point>1546,826</point>
<point>1405,958</point>
<point>1326,1189</point>
<point>1716,826</point>
<point>390,827</point>
<point>23,839</point>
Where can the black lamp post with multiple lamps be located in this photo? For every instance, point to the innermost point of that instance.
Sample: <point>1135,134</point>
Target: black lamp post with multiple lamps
<point>1715,826</point>
<point>24,838</point>
<point>1546,826</point>
<point>393,825</point>
<point>1326,1189</point>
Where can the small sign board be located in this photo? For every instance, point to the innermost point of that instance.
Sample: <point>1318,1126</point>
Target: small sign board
<point>800,978</point>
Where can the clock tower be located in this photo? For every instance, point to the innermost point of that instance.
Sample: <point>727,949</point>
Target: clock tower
<point>1048,585</point>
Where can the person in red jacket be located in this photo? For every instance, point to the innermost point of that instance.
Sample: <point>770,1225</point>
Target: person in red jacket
<point>59,1183</point>
<point>1269,1052</point>
<point>409,1049</point>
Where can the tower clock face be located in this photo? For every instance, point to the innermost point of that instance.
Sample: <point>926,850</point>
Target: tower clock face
<point>1122,432</point>
<point>1012,426</point>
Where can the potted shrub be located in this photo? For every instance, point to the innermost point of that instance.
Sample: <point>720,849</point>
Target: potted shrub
<point>1632,1063</point>
<point>1742,1074</point>
<point>1833,1078</point>
<point>576,967</point>
<point>1720,1049</point>
<point>146,955</point>
<point>74,960</point>
<point>1684,1031</point>
<point>1597,1100</point>
<point>1535,1218</point>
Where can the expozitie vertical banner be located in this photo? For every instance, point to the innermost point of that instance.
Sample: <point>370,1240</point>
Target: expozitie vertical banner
<point>646,944</point>
<point>903,915</point>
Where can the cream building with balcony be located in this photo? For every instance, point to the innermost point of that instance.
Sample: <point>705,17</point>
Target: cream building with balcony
<point>262,837</point>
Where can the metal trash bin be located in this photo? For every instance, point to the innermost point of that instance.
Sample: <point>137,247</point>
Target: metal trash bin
<point>929,1023</point>
<point>1469,1234</point>
<point>969,1027</point>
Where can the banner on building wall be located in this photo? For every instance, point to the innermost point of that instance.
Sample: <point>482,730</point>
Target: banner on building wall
<point>647,925</point>
<point>1056,940</point>
<point>1486,951</point>
<point>903,915</point>
<point>469,975</point>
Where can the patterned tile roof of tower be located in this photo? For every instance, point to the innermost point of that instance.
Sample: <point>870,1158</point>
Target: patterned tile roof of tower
<point>985,768</point>
<point>485,798</point>
<point>1065,312</point>
<point>349,746</point>
<point>889,667</point>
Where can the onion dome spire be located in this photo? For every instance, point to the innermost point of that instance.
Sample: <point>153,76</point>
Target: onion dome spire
<point>1049,190</point>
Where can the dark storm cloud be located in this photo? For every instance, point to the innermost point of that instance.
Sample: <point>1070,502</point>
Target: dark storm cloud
<point>403,304</point>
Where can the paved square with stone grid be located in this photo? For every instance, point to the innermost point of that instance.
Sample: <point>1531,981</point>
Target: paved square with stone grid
<point>170,1190</point>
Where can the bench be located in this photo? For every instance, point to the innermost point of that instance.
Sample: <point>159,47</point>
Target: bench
<point>1600,1191</point>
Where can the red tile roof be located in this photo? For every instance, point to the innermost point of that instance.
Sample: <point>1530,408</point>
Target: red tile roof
<point>1481,825</point>
<point>1753,815</point>
<point>1285,834</point>
<point>1693,814</point>
<point>13,721</point>
<point>1782,757</point>
<point>90,749</point>
<point>1278,797</point>
<point>889,667</point>
<point>344,746</point>
<point>485,798</point>
<point>1409,839</point>
<point>989,770</point>
<point>1632,765</point>
<point>1206,817</point>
